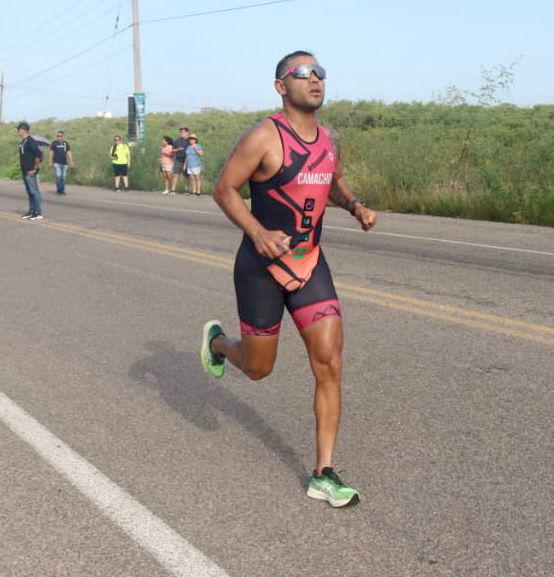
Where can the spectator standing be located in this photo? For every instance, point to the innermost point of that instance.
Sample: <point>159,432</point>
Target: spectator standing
<point>59,156</point>
<point>30,157</point>
<point>121,160</point>
<point>194,154</point>
<point>166,163</point>
<point>180,145</point>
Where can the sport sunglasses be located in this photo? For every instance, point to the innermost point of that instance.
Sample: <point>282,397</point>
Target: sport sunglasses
<point>305,71</point>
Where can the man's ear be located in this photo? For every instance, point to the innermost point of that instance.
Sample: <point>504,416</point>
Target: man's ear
<point>280,87</point>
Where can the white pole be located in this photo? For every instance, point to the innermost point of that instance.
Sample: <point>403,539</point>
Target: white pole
<point>136,45</point>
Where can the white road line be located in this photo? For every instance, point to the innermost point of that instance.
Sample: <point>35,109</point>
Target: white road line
<point>172,551</point>
<point>444,240</point>
<point>158,207</point>
<point>332,227</point>
<point>343,228</point>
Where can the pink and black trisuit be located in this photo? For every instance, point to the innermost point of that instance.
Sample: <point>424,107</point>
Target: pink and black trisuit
<point>294,201</point>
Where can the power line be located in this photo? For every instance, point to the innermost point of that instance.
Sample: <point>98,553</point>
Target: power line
<point>74,73</point>
<point>218,11</point>
<point>69,58</point>
<point>61,38</point>
<point>112,62</point>
<point>41,26</point>
<point>122,30</point>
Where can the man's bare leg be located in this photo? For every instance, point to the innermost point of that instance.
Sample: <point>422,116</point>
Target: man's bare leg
<point>253,355</point>
<point>324,341</point>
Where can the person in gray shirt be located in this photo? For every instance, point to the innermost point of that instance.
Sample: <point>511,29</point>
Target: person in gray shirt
<point>179,147</point>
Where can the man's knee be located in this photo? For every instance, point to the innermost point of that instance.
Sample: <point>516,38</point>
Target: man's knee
<point>257,372</point>
<point>328,363</point>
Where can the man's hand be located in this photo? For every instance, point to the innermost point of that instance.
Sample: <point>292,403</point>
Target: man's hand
<point>271,243</point>
<point>365,216</point>
<point>31,172</point>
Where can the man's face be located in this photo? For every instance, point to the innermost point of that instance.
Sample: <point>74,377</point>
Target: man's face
<point>304,93</point>
<point>184,134</point>
<point>22,133</point>
<point>59,137</point>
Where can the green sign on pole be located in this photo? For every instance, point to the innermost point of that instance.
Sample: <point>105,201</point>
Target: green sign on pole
<point>140,107</point>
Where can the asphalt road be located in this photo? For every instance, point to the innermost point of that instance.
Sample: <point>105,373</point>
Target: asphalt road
<point>120,458</point>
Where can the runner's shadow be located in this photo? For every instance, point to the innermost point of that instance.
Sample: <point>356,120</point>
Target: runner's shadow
<point>183,385</point>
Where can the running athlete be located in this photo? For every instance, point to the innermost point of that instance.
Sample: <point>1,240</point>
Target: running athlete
<point>292,165</point>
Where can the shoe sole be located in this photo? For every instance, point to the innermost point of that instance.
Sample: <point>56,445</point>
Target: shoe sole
<point>321,496</point>
<point>205,350</point>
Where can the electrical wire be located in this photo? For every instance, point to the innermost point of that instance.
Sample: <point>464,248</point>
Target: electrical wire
<point>68,59</point>
<point>218,11</point>
<point>111,63</point>
<point>81,69</point>
<point>127,27</point>
<point>41,26</point>
<point>25,54</point>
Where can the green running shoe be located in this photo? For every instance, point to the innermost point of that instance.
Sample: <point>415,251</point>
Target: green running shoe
<point>213,364</point>
<point>329,487</point>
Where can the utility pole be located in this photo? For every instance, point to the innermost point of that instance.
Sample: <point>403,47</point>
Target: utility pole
<point>136,45</point>
<point>1,95</point>
<point>138,110</point>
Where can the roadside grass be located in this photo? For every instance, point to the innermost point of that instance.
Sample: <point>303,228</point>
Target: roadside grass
<point>489,163</point>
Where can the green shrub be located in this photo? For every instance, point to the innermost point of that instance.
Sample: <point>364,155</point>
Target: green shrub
<point>494,163</point>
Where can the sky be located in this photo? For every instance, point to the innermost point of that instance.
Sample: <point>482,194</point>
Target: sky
<point>67,58</point>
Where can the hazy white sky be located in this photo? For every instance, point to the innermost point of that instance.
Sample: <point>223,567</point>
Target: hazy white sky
<point>398,50</point>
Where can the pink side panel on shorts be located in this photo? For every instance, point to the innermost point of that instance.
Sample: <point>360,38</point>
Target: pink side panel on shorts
<point>310,314</point>
<point>271,331</point>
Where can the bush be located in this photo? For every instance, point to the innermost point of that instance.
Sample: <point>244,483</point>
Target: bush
<point>494,163</point>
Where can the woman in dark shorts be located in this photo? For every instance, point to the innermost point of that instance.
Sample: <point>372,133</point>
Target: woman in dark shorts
<point>121,160</point>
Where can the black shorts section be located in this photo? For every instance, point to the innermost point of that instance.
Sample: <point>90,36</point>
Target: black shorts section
<point>120,170</point>
<point>261,300</point>
<point>178,166</point>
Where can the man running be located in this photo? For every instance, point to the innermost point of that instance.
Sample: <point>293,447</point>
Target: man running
<point>292,165</point>
<point>59,156</point>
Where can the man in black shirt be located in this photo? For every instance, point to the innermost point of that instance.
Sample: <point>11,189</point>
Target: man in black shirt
<point>30,157</point>
<point>59,156</point>
<point>179,146</point>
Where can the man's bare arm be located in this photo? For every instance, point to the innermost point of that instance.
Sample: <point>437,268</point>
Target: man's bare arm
<point>341,194</point>
<point>244,160</point>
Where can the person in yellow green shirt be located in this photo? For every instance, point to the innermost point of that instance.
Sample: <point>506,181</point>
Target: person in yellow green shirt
<point>121,160</point>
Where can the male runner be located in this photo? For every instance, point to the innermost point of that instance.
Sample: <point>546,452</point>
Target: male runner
<point>292,164</point>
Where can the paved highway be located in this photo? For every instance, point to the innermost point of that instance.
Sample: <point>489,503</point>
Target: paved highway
<point>119,457</point>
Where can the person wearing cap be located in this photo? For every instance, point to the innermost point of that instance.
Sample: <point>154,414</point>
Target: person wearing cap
<point>179,148</point>
<point>194,154</point>
<point>30,157</point>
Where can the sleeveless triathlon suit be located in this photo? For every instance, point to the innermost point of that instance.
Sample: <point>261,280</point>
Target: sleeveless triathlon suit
<point>294,201</point>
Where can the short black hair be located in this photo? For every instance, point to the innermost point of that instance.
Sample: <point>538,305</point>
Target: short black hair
<point>23,126</point>
<point>184,128</point>
<point>59,132</point>
<point>282,64</point>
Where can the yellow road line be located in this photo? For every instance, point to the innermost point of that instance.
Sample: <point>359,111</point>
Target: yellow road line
<point>465,317</point>
<point>446,308</point>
